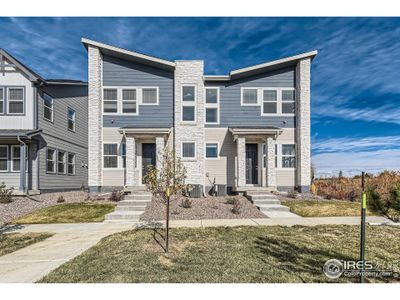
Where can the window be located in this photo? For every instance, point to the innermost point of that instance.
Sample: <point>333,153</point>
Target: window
<point>51,161</point>
<point>150,96</point>
<point>16,158</point>
<point>129,101</point>
<point>110,155</point>
<point>288,156</point>
<point>276,155</point>
<point>212,105</point>
<point>48,107</point>
<point>249,96</point>
<point>123,154</point>
<point>71,164</point>
<point>3,158</point>
<point>189,150</point>
<point>212,150</point>
<point>60,162</point>
<point>189,103</point>
<point>15,101</point>
<point>264,153</point>
<point>71,119</point>
<point>270,104</point>
<point>288,101</point>
<point>110,100</point>
<point>1,100</point>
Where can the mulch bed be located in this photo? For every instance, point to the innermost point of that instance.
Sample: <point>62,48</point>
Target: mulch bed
<point>21,206</point>
<point>202,208</point>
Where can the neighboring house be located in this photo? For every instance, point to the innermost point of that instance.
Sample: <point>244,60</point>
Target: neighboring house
<point>248,129</point>
<point>46,122</point>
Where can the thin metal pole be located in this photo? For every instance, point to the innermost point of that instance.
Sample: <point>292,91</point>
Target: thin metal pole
<point>362,241</point>
<point>167,226</point>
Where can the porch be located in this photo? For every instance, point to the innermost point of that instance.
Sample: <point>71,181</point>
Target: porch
<point>255,148</point>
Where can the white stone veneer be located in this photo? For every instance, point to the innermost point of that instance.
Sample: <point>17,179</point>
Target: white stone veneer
<point>241,161</point>
<point>271,171</point>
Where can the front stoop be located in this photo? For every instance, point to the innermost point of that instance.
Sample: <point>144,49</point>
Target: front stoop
<point>269,204</point>
<point>131,208</point>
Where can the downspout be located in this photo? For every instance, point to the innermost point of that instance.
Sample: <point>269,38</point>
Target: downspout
<point>22,169</point>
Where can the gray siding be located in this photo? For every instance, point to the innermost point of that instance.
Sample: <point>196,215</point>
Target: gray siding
<point>56,135</point>
<point>232,113</point>
<point>117,72</point>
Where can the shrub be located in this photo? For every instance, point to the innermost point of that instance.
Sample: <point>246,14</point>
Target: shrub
<point>352,195</point>
<point>60,199</point>
<point>375,202</point>
<point>5,193</point>
<point>237,207</point>
<point>231,200</point>
<point>116,196</point>
<point>395,198</point>
<point>292,194</point>
<point>186,203</point>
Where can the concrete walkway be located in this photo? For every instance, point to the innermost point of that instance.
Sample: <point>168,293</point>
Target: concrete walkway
<point>31,263</point>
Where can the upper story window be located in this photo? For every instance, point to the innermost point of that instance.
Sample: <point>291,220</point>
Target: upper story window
<point>288,101</point>
<point>1,100</point>
<point>129,101</point>
<point>110,155</point>
<point>212,105</point>
<point>249,96</point>
<point>270,101</point>
<point>188,103</point>
<point>16,101</point>
<point>71,119</point>
<point>110,100</point>
<point>189,150</point>
<point>48,107</point>
<point>3,158</point>
<point>150,96</point>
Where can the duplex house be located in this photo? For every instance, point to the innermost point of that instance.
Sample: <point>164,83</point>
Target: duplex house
<point>43,130</point>
<point>248,129</point>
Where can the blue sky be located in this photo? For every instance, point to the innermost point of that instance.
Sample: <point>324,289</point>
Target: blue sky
<point>355,77</point>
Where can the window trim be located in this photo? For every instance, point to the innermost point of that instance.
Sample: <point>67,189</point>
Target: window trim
<point>242,98</point>
<point>74,164</point>
<point>121,101</point>
<point>205,150</point>
<point>45,106</point>
<point>280,156</point>
<point>65,162</point>
<point>108,155</point>
<point>194,158</point>
<point>285,101</point>
<point>212,105</point>
<point>157,93</point>
<point>11,156</point>
<point>54,161</point>
<point>278,101</point>
<point>7,159</point>
<point>68,119</point>
<point>117,100</point>
<point>189,104</point>
<point>9,101</point>
<point>3,100</point>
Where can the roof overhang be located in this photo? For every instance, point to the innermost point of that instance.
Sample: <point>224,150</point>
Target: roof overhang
<point>145,131</point>
<point>14,134</point>
<point>255,131</point>
<point>282,63</point>
<point>130,55</point>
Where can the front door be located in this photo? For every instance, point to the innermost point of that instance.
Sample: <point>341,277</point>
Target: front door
<point>251,164</point>
<point>148,157</point>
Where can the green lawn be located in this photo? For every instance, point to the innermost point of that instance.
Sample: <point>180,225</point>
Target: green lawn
<point>11,242</point>
<point>68,213</point>
<point>324,208</point>
<point>239,254</point>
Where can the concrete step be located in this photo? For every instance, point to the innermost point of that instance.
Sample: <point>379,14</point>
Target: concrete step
<point>136,189</point>
<point>133,202</point>
<point>138,197</point>
<point>272,207</point>
<point>141,208</point>
<point>124,215</point>
<point>260,197</point>
<point>269,201</point>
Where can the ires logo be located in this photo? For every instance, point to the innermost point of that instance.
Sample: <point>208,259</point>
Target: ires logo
<point>335,268</point>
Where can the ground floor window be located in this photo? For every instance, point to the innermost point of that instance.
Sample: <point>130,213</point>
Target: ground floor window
<point>61,162</point>
<point>3,158</point>
<point>211,150</point>
<point>71,164</point>
<point>51,161</point>
<point>188,150</point>
<point>110,155</point>
<point>288,156</point>
<point>16,158</point>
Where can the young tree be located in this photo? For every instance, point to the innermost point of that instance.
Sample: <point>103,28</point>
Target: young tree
<point>167,183</point>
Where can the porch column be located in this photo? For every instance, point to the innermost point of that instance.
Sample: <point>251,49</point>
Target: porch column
<point>160,145</point>
<point>22,167</point>
<point>130,160</point>
<point>271,172</point>
<point>241,161</point>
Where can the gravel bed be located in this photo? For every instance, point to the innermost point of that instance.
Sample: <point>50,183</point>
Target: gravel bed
<point>300,196</point>
<point>23,205</point>
<point>202,208</point>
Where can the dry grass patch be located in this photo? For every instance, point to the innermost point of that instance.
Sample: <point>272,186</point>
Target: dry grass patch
<point>324,208</point>
<point>10,242</point>
<point>68,213</point>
